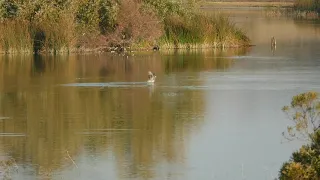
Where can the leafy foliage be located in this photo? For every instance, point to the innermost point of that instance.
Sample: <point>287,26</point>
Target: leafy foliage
<point>8,9</point>
<point>305,163</point>
<point>107,16</point>
<point>165,8</point>
<point>304,112</point>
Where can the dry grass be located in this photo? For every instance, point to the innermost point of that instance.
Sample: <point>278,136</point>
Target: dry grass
<point>249,4</point>
<point>57,39</point>
<point>49,31</point>
<point>15,36</point>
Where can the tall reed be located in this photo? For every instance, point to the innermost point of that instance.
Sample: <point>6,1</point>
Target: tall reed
<point>15,36</point>
<point>56,35</point>
<point>200,30</point>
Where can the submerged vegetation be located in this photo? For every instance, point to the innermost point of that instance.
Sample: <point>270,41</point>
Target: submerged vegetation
<point>86,25</point>
<point>304,112</point>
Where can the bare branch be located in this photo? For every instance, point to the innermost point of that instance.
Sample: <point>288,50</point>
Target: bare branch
<point>304,113</point>
<point>71,159</point>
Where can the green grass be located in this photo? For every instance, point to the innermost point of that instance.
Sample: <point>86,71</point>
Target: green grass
<point>201,31</point>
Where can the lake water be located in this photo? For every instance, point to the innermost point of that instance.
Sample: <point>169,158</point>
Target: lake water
<point>212,114</point>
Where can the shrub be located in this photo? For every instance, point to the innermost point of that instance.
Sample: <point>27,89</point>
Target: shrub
<point>165,8</point>
<point>304,112</point>
<point>135,24</point>
<point>8,9</point>
<point>305,163</point>
<point>107,12</point>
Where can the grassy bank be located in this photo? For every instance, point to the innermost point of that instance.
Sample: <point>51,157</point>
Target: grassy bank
<point>60,26</point>
<point>201,31</point>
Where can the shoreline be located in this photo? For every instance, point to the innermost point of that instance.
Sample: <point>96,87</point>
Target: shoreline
<point>121,50</point>
<point>127,50</point>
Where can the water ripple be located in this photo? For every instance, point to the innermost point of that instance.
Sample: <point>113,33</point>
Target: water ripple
<point>109,84</point>
<point>4,118</point>
<point>91,132</point>
<point>243,84</point>
<point>12,134</point>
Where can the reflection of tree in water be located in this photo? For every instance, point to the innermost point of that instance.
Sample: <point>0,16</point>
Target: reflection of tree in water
<point>150,136</point>
<point>154,127</point>
<point>38,64</point>
<point>104,71</point>
<point>309,28</point>
<point>192,60</point>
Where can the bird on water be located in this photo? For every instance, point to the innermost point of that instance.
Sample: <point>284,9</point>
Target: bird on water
<point>151,77</point>
<point>273,41</point>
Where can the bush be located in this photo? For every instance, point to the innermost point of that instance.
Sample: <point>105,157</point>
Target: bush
<point>305,163</point>
<point>165,8</point>
<point>135,24</point>
<point>8,9</point>
<point>304,112</point>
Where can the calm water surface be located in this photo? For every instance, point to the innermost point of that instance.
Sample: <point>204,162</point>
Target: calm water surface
<point>210,115</point>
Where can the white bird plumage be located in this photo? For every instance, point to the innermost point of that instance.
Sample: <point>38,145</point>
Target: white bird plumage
<point>151,77</point>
